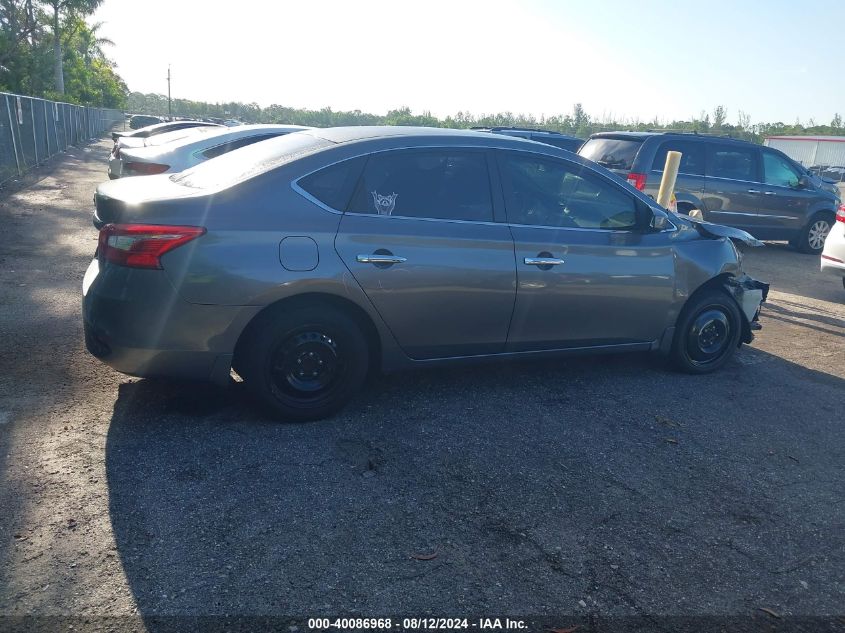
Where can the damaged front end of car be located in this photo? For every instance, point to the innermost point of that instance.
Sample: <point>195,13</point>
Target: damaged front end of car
<point>749,294</point>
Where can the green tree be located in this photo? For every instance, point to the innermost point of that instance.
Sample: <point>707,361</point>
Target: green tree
<point>63,12</point>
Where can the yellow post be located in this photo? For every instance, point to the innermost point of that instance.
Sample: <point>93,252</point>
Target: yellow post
<point>670,175</point>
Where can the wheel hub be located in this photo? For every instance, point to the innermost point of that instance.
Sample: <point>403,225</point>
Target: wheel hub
<point>306,363</point>
<point>818,234</point>
<point>708,336</point>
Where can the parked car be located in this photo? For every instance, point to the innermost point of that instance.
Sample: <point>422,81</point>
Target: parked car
<point>115,169</point>
<point>569,143</point>
<point>305,261</point>
<point>831,173</point>
<point>159,128</point>
<point>138,121</point>
<point>833,255</point>
<point>731,182</point>
<point>196,148</point>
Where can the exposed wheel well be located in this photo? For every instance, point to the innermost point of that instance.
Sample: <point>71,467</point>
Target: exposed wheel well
<point>311,299</point>
<point>716,283</point>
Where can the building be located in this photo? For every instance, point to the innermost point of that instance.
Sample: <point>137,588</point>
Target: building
<point>824,154</point>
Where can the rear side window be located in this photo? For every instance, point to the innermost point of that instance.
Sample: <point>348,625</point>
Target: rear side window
<point>225,148</point>
<point>734,163</point>
<point>442,184</point>
<point>544,192</point>
<point>613,153</point>
<point>333,185</point>
<point>778,171</point>
<point>692,157</point>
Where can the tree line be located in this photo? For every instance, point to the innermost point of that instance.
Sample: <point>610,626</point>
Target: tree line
<point>577,123</point>
<point>49,50</point>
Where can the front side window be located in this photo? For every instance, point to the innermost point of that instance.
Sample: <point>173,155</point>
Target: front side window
<point>692,157</point>
<point>441,184</point>
<point>734,163</point>
<point>777,171</point>
<point>550,193</point>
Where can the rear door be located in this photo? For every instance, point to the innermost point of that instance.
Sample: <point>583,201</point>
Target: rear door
<point>733,186</point>
<point>419,236</point>
<point>587,274</point>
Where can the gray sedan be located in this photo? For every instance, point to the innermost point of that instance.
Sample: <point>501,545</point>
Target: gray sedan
<point>306,261</point>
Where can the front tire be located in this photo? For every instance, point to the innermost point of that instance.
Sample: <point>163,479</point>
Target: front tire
<point>814,234</point>
<point>707,334</point>
<point>304,363</point>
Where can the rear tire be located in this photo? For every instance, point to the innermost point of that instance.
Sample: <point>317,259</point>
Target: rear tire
<point>814,234</point>
<point>707,333</point>
<point>304,363</point>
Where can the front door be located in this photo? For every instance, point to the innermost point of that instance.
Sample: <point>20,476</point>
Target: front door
<point>786,205</point>
<point>420,239</point>
<point>587,273</point>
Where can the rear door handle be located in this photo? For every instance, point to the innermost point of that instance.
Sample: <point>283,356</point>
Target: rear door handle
<point>543,261</point>
<point>381,259</point>
<point>770,193</point>
<point>753,191</point>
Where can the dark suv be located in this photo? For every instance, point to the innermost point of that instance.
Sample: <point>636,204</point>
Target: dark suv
<point>731,182</point>
<point>555,139</point>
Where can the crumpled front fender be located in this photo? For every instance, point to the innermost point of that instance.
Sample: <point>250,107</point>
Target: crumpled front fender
<point>708,229</point>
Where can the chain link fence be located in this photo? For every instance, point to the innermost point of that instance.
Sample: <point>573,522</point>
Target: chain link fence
<point>32,130</point>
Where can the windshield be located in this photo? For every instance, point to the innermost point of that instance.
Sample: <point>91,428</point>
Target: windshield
<point>248,162</point>
<point>613,153</point>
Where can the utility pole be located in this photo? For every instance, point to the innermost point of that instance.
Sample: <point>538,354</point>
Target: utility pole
<point>169,104</point>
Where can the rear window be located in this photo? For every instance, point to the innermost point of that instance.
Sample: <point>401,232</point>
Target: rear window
<point>613,153</point>
<point>248,162</point>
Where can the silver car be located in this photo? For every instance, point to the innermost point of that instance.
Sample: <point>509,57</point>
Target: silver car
<point>306,261</point>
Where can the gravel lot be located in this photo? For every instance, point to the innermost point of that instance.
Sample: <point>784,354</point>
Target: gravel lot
<point>607,485</point>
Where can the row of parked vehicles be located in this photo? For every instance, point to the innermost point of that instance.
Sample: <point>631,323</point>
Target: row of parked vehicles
<point>306,261</point>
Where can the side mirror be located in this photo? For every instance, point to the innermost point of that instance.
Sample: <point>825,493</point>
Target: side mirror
<point>804,182</point>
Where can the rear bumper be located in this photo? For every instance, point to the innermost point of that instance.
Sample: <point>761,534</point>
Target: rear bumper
<point>135,322</point>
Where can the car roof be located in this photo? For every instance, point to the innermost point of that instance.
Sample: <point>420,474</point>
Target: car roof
<point>642,136</point>
<point>365,132</point>
<point>503,128</point>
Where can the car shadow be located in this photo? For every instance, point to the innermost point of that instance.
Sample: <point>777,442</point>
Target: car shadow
<point>518,488</point>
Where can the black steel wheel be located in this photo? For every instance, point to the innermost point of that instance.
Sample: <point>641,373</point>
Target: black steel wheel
<point>304,363</point>
<point>707,333</point>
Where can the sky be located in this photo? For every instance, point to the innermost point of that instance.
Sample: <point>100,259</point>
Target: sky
<point>775,60</point>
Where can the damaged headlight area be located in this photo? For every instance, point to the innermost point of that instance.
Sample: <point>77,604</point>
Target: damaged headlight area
<point>749,294</point>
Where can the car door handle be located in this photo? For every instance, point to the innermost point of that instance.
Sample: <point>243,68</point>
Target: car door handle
<point>753,191</point>
<point>543,261</point>
<point>770,193</point>
<point>381,259</point>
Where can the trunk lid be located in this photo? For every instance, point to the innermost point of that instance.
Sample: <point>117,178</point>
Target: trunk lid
<point>145,199</point>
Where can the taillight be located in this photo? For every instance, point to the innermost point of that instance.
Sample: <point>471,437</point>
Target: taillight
<point>840,213</point>
<point>145,169</point>
<point>116,152</point>
<point>142,245</point>
<point>637,180</point>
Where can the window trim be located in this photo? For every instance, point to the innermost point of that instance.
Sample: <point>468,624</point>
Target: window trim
<point>492,151</point>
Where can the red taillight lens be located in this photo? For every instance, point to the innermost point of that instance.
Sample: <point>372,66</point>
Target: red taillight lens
<point>637,180</point>
<point>145,169</point>
<point>840,213</point>
<point>142,245</point>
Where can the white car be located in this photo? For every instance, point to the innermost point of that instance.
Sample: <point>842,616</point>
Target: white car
<point>833,255</point>
<point>197,148</point>
<point>125,142</point>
